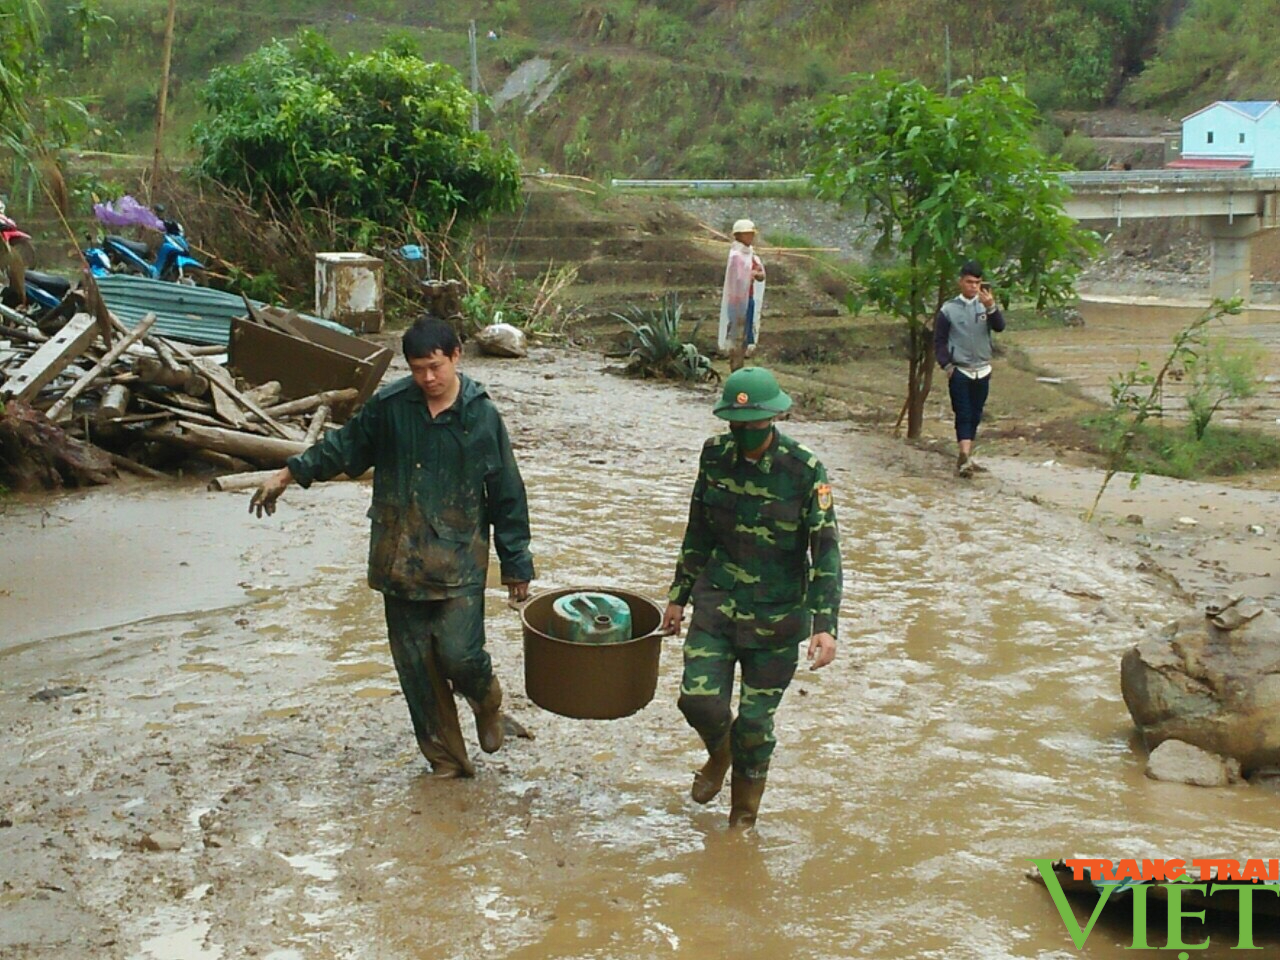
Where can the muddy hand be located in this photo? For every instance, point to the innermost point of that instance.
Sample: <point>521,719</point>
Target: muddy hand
<point>822,650</point>
<point>517,593</point>
<point>264,500</point>
<point>672,619</point>
<point>265,497</point>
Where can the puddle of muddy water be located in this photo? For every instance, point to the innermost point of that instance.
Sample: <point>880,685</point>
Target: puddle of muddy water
<point>972,721</point>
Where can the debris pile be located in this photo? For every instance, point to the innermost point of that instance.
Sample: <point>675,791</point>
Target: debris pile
<point>96,396</point>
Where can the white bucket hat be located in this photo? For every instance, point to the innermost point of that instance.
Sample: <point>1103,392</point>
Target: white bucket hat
<point>743,226</point>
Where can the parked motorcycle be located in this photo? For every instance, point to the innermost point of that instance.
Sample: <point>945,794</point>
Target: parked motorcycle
<point>18,241</point>
<point>47,297</point>
<point>172,260</point>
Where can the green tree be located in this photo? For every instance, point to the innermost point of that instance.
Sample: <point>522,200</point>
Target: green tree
<point>943,179</point>
<point>382,136</point>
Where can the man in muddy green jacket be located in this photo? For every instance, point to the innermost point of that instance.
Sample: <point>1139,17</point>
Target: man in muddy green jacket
<point>761,563</point>
<point>444,475</point>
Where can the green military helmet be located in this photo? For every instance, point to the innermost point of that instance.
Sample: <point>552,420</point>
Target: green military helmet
<point>750,394</point>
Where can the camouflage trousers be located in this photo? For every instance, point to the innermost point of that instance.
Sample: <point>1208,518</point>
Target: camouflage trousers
<point>436,643</point>
<point>713,649</point>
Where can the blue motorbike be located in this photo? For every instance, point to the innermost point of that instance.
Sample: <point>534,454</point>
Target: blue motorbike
<point>173,260</point>
<point>47,297</point>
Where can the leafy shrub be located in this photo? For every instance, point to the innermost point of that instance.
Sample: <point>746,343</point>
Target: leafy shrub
<point>657,349</point>
<point>384,136</point>
<point>1220,373</point>
<point>1081,152</point>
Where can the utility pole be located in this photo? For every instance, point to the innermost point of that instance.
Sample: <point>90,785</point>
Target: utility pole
<point>163,99</point>
<point>475,79</point>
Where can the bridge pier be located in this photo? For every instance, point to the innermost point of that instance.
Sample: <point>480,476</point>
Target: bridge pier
<point>1230,249</point>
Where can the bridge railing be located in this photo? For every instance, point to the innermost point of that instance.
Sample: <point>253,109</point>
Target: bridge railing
<point>1124,178</point>
<point>1084,178</point>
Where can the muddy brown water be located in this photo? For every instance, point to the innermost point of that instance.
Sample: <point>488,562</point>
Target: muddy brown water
<point>1120,332</point>
<point>241,706</point>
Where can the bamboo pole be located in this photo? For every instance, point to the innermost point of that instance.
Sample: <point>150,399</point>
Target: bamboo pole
<point>165,60</point>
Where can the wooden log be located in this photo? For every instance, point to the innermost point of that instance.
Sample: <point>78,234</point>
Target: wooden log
<point>174,398</point>
<point>115,402</point>
<point>86,379</point>
<point>264,394</point>
<point>31,335</point>
<point>237,482</point>
<point>220,377</point>
<point>130,418</point>
<point>51,358</point>
<point>333,398</point>
<point>222,461</point>
<point>316,426</point>
<point>133,466</point>
<point>166,354</point>
<point>267,451</point>
<point>188,416</point>
<point>153,370</point>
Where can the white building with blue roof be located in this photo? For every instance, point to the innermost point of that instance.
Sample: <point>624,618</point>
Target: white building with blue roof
<point>1231,135</point>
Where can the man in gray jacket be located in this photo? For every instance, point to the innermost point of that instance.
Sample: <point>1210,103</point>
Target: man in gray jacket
<point>962,344</point>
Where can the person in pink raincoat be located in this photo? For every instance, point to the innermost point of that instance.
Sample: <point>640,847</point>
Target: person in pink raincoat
<point>743,299</point>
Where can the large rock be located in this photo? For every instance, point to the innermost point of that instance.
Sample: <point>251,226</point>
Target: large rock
<point>1177,762</point>
<point>1212,681</point>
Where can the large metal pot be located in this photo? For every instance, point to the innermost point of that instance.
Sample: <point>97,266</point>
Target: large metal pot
<point>591,681</point>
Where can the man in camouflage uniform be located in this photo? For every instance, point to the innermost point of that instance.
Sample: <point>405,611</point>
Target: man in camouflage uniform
<point>761,562</point>
<point>444,475</point>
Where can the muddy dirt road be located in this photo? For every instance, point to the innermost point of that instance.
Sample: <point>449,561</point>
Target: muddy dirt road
<point>238,777</point>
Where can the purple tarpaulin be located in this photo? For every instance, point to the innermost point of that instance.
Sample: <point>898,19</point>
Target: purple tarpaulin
<point>127,212</point>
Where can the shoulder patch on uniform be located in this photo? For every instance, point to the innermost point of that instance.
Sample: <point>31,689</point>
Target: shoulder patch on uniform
<point>824,496</point>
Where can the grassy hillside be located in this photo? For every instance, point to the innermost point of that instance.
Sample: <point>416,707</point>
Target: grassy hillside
<point>1218,50</point>
<point>663,87</point>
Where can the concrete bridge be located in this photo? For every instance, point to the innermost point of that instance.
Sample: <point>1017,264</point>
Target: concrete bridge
<point>1231,207</point>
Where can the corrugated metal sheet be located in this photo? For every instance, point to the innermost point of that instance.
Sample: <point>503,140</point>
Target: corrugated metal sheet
<point>189,314</point>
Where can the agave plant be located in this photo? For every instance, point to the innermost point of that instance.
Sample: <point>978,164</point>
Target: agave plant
<point>657,349</point>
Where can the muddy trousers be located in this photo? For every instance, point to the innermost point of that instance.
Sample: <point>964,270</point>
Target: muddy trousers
<point>435,644</point>
<point>707,687</point>
<point>968,397</point>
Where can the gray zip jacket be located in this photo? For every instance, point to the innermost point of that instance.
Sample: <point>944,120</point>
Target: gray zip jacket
<point>962,333</point>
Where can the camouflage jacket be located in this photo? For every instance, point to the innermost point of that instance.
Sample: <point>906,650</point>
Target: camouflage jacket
<point>763,534</point>
<point>439,485</point>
